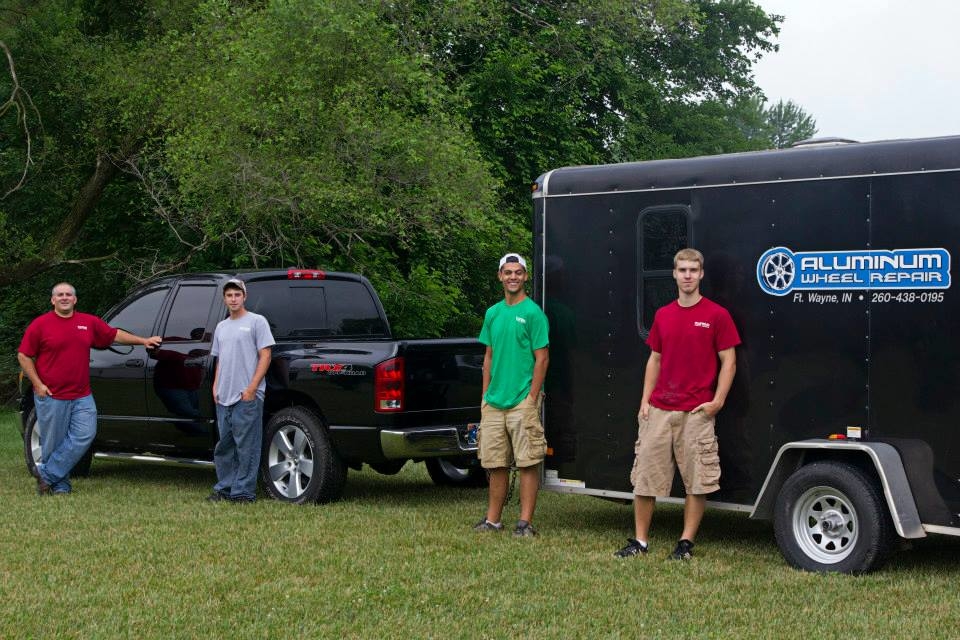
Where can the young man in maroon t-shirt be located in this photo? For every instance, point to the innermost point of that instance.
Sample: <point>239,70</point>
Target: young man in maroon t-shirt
<point>55,355</point>
<point>691,367</point>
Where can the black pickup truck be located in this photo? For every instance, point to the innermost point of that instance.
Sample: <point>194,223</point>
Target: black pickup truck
<point>341,391</point>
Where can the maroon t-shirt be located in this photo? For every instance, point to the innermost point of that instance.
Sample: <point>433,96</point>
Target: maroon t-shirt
<point>61,347</point>
<point>688,340</point>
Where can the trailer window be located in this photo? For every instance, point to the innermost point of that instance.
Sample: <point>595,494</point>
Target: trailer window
<point>661,232</point>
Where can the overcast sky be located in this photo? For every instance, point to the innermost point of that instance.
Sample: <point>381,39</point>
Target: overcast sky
<point>868,69</point>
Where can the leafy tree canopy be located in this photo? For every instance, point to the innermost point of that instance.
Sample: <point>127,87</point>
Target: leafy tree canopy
<point>775,127</point>
<point>396,138</point>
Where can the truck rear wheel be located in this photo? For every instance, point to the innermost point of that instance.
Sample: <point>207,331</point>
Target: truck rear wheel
<point>299,462</point>
<point>831,516</point>
<point>31,449</point>
<point>456,472</point>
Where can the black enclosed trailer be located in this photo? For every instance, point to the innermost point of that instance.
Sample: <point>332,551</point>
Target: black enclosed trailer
<point>835,263</point>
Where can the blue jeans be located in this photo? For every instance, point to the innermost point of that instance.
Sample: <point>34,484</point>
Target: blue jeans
<point>237,454</point>
<point>66,428</point>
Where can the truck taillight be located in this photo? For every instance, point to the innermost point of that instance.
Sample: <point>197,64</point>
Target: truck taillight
<point>388,385</point>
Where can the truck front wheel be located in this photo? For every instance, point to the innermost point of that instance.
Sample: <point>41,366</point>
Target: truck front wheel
<point>831,516</point>
<point>299,462</point>
<point>456,472</point>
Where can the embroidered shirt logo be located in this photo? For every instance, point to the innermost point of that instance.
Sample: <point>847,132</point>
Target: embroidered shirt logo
<point>521,320</point>
<point>244,328</point>
<point>82,327</point>
<point>700,323</point>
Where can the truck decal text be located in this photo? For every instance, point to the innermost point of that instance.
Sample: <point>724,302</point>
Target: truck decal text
<point>337,369</point>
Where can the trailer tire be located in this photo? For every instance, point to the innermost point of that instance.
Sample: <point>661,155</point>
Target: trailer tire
<point>31,449</point>
<point>453,472</point>
<point>299,463</point>
<point>831,517</point>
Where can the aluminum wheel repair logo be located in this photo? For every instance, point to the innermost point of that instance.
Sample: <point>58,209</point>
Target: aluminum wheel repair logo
<point>780,270</point>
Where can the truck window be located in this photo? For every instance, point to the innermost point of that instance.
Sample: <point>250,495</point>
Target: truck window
<point>661,232</point>
<point>326,308</point>
<point>351,310</point>
<point>139,314</point>
<point>187,321</point>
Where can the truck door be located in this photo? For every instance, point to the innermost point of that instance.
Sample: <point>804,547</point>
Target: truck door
<point>117,374</point>
<point>178,379</point>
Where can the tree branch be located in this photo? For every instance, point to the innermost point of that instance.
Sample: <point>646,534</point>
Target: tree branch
<point>20,100</point>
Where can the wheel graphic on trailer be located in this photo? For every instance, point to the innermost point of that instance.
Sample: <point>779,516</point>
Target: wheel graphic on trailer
<point>777,271</point>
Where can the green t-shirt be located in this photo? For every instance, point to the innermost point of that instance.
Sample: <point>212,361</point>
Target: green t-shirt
<point>514,333</point>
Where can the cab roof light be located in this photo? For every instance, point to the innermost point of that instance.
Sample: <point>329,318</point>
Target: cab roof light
<point>305,274</point>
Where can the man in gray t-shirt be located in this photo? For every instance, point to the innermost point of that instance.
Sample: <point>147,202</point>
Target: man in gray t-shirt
<point>242,344</point>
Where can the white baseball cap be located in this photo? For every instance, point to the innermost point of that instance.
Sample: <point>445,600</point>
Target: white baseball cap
<point>512,257</point>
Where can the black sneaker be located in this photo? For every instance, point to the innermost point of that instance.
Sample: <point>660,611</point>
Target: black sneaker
<point>485,526</point>
<point>242,499</point>
<point>683,550</point>
<point>524,530</point>
<point>634,548</point>
<point>218,496</point>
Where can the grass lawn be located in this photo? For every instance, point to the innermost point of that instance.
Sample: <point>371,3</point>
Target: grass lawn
<point>136,552</point>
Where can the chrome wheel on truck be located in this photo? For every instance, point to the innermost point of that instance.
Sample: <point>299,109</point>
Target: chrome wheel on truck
<point>299,463</point>
<point>831,517</point>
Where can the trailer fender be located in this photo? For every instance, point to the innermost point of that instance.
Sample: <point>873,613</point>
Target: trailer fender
<point>886,461</point>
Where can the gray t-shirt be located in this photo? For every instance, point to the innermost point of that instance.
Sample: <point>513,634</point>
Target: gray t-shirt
<point>237,344</point>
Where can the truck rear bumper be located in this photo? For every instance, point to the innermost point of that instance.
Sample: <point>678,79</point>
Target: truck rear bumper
<point>427,442</point>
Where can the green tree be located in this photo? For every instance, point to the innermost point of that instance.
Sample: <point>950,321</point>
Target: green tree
<point>775,127</point>
<point>553,82</point>
<point>789,124</point>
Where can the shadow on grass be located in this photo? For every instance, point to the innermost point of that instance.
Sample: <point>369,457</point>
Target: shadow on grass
<point>411,486</point>
<point>933,553</point>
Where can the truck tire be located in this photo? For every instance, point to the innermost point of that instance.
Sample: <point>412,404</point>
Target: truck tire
<point>455,472</point>
<point>299,463</point>
<point>31,449</point>
<point>831,517</point>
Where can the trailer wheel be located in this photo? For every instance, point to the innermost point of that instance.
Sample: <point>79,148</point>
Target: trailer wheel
<point>831,516</point>
<point>456,472</point>
<point>299,463</point>
<point>31,449</point>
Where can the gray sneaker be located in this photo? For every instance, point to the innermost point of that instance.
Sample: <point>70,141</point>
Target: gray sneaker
<point>524,529</point>
<point>485,526</point>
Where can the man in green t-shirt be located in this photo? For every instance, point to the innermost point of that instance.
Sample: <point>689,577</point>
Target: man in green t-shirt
<point>516,334</point>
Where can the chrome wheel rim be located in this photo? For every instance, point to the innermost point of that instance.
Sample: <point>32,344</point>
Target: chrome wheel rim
<point>825,525</point>
<point>290,461</point>
<point>35,451</point>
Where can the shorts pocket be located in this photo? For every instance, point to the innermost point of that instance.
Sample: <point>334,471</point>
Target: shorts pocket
<point>708,453</point>
<point>534,437</point>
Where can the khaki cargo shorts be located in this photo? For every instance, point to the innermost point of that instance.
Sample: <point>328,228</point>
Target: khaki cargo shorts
<point>513,436</point>
<point>675,437</point>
